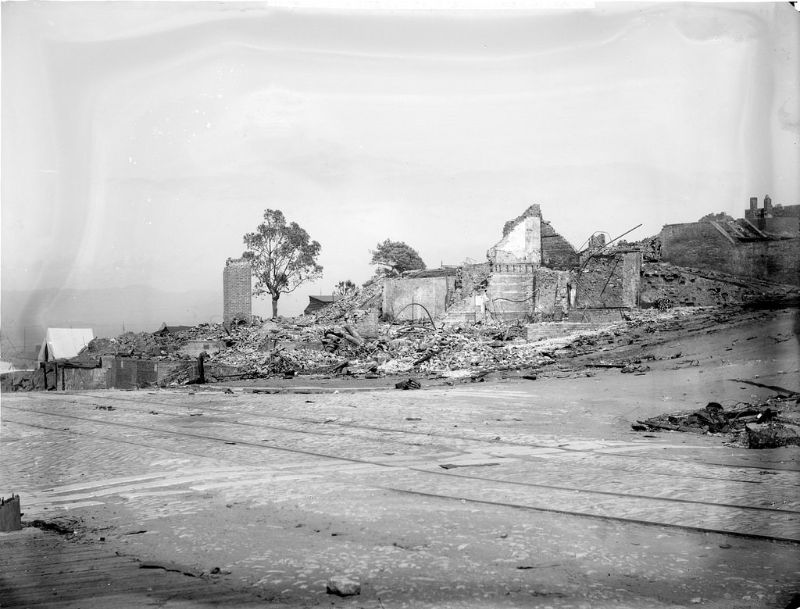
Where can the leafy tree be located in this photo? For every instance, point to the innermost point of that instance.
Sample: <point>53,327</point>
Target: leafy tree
<point>345,288</point>
<point>397,257</point>
<point>282,256</point>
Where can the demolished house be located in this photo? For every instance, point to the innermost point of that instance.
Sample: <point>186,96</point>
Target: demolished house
<point>531,274</point>
<point>764,245</point>
<point>534,294</point>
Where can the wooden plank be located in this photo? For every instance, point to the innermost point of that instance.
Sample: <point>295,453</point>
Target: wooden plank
<point>50,570</point>
<point>50,559</point>
<point>46,570</point>
<point>203,593</point>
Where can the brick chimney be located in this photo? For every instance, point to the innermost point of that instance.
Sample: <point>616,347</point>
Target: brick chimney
<point>237,293</point>
<point>597,241</point>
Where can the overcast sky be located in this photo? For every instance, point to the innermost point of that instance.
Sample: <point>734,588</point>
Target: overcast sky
<point>140,141</point>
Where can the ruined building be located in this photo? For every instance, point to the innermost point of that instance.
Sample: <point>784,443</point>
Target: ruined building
<point>763,245</point>
<point>532,273</point>
<point>777,220</point>
<point>237,294</point>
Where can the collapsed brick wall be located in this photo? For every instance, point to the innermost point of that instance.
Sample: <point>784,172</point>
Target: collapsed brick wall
<point>609,281</point>
<point>557,253</point>
<point>696,287</point>
<point>469,279</point>
<point>701,245</point>
<point>551,294</point>
<point>237,291</point>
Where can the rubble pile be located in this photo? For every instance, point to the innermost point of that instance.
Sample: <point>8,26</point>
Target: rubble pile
<point>769,424</point>
<point>165,343</point>
<point>457,352</point>
<point>330,343</point>
<point>351,306</point>
<point>129,344</point>
<point>649,246</point>
<point>275,347</point>
<point>346,338</point>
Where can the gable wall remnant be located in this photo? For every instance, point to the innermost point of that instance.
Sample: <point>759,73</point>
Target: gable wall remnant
<point>557,252</point>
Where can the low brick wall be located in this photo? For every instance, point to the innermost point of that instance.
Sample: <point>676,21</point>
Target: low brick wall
<point>83,378</point>
<point>113,373</point>
<point>597,315</point>
<point>543,331</point>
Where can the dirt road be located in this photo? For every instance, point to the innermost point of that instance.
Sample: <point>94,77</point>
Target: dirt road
<point>509,493</point>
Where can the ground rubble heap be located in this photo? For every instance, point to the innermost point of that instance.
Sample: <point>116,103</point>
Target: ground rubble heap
<point>770,424</point>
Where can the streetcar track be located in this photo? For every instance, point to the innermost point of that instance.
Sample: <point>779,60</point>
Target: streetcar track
<point>384,465</point>
<point>196,435</point>
<point>610,493</point>
<point>437,435</point>
<point>108,439</point>
<point>639,521</point>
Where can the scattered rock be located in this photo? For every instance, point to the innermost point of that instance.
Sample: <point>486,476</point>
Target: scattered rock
<point>408,384</point>
<point>343,586</point>
<point>772,435</point>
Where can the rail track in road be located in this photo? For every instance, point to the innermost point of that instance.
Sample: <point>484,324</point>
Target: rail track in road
<point>421,475</point>
<point>206,407</point>
<point>365,461</point>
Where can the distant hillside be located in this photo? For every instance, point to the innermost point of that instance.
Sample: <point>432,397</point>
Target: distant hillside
<point>25,315</point>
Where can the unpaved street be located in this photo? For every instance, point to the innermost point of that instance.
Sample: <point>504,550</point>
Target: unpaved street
<point>512,493</point>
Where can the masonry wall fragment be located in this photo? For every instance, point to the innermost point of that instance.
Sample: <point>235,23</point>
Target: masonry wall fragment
<point>402,295</point>
<point>237,291</point>
<point>522,240</point>
<point>706,245</point>
<point>609,281</point>
<point>557,252</point>
<point>551,289</point>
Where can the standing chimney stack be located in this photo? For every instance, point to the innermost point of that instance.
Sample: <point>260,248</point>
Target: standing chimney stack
<point>237,295</point>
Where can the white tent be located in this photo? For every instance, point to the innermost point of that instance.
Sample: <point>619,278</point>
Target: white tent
<point>64,343</point>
